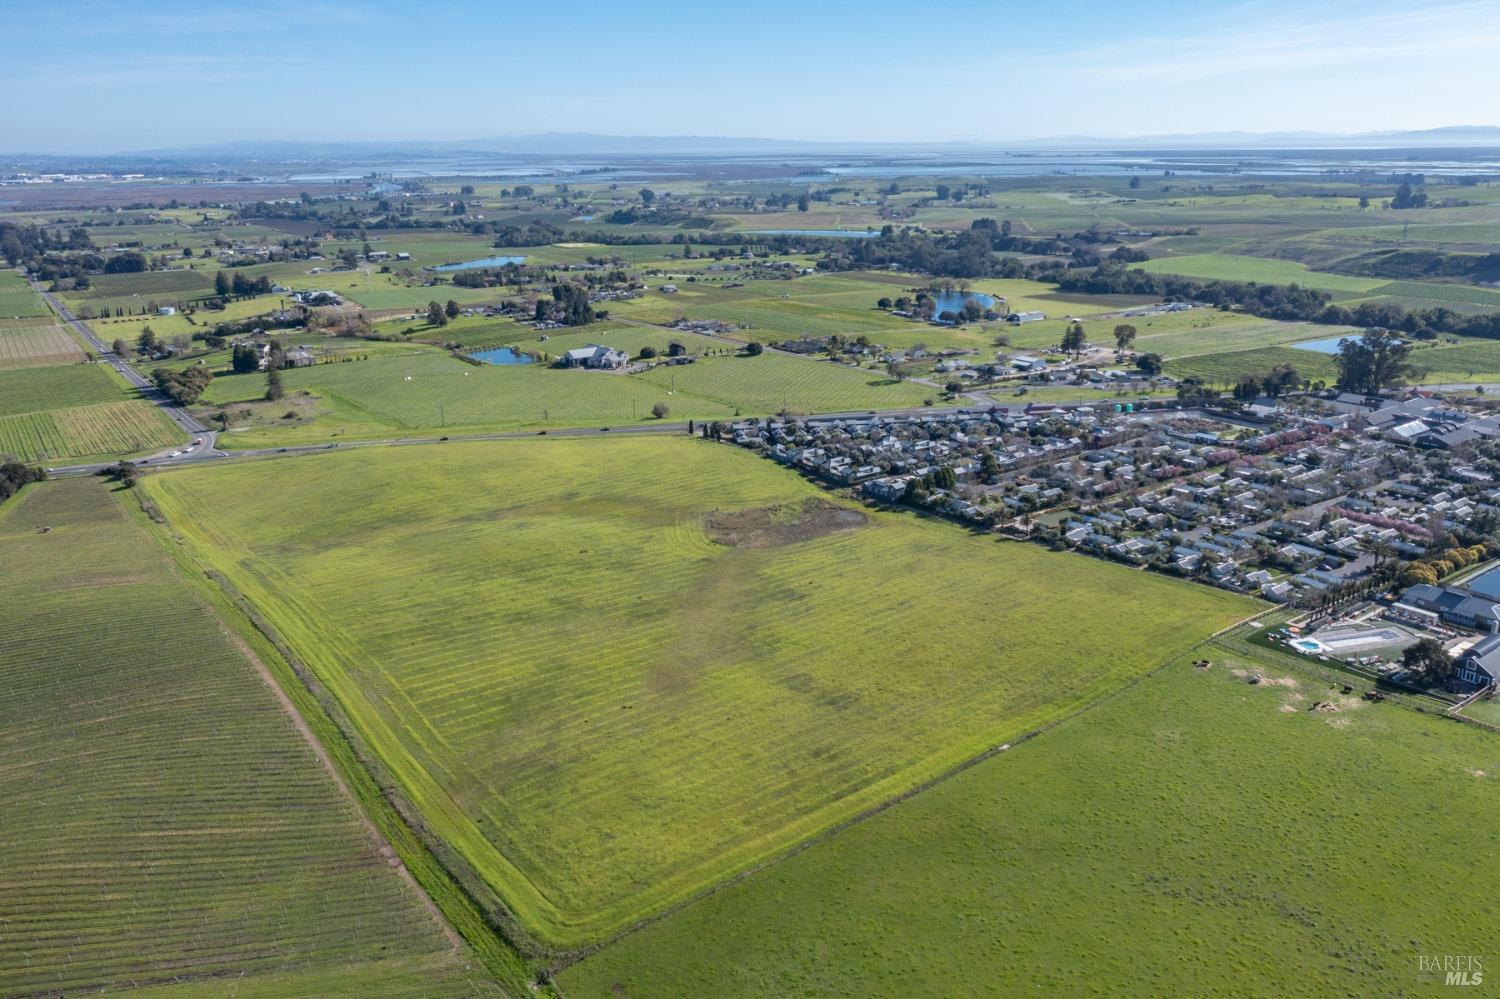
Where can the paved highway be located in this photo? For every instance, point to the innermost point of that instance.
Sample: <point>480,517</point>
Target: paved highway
<point>180,416</point>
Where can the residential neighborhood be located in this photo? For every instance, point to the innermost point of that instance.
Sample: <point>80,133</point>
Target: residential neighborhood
<point>1313,504</point>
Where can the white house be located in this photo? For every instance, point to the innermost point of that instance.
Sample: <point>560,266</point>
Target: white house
<point>595,356</point>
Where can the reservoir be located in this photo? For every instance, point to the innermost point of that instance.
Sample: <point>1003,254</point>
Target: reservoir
<point>1327,345</point>
<point>953,301</point>
<point>469,265</point>
<point>501,355</point>
<point>835,233</point>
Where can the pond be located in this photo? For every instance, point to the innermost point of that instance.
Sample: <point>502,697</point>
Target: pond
<point>1327,345</point>
<point>836,233</point>
<point>501,355</point>
<point>953,301</point>
<point>469,265</point>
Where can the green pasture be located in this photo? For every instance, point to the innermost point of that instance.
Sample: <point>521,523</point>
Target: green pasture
<point>1210,332</point>
<point>17,300</point>
<point>1224,369</point>
<point>1195,835</point>
<point>426,389</point>
<point>775,382</point>
<point>196,320</point>
<point>1451,294</point>
<point>373,398</point>
<point>1465,360</point>
<point>602,709</point>
<point>1237,267</point>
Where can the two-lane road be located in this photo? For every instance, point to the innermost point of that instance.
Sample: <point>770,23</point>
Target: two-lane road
<point>180,416</point>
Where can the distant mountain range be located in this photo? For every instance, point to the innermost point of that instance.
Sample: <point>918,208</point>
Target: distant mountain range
<point>584,145</point>
<point>587,143</point>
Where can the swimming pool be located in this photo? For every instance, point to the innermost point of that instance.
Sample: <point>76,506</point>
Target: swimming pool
<point>1486,584</point>
<point>1307,646</point>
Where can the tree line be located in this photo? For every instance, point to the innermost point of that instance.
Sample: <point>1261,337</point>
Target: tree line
<point>14,475</point>
<point>1288,302</point>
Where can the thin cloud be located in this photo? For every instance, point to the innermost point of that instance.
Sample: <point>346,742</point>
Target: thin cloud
<point>155,71</point>
<point>1403,39</point>
<point>163,20</point>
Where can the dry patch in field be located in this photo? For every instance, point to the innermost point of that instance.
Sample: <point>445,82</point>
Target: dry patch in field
<point>774,526</point>
<point>1256,678</point>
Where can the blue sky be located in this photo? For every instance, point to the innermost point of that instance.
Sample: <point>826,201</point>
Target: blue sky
<point>111,76</point>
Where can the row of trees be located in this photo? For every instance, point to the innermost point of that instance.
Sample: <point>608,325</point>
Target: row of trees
<point>1288,302</point>
<point>14,475</point>
<point>1280,379</point>
<point>27,245</point>
<point>239,284</point>
<point>1430,570</point>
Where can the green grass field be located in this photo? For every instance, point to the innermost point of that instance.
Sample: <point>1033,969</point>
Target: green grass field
<point>165,827</point>
<point>1193,836</point>
<point>602,709</point>
<point>772,382</point>
<point>1449,294</point>
<point>1469,359</point>
<point>374,397</point>
<point>768,316</point>
<point>1226,368</point>
<point>17,300</point>
<point>1237,267</point>
<point>1218,332</point>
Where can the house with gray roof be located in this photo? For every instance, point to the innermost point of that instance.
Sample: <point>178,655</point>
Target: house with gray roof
<point>595,356</point>
<point>1480,665</point>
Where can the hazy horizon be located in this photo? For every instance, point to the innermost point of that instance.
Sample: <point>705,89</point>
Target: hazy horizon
<point>953,72</point>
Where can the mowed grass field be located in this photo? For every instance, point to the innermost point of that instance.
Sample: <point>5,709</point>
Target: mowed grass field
<point>603,709</point>
<point>76,411</point>
<point>164,825</point>
<point>1202,332</point>
<point>374,397</point>
<point>1238,267</point>
<point>1195,835</point>
<point>429,390</point>
<point>773,382</point>
<point>1224,369</point>
<point>17,300</point>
